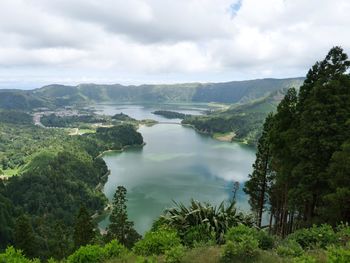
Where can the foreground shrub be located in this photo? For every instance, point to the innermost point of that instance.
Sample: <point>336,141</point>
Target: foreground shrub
<point>175,254</point>
<point>338,254</point>
<point>266,241</point>
<point>87,254</point>
<point>12,255</point>
<point>115,250</point>
<point>316,236</point>
<point>304,259</point>
<point>290,248</point>
<point>217,219</point>
<point>343,234</point>
<point>157,242</point>
<point>240,232</point>
<point>199,235</point>
<point>241,242</point>
<point>247,247</point>
<point>96,253</point>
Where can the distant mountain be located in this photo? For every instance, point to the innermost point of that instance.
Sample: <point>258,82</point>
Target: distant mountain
<point>21,100</point>
<point>62,95</point>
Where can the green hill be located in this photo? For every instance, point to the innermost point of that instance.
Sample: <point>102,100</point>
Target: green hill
<point>244,120</point>
<point>62,95</point>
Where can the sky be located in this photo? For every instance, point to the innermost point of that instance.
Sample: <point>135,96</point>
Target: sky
<point>165,41</point>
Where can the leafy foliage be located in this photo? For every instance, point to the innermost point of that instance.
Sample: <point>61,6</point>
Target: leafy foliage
<point>338,254</point>
<point>289,248</point>
<point>12,255</point>
<point>96,253</point>
<point>215,219</point>
<point>157,242</point>
<point>315,236</point>
<point>174,254</point>
<point>241,242</point>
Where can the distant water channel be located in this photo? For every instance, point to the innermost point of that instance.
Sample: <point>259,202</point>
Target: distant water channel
<point>177,163</point>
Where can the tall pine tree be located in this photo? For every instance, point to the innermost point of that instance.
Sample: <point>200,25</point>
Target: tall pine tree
<point>120,227</point>
<point>83,228</point>
<point>24,236</point>
<point>259,182</point>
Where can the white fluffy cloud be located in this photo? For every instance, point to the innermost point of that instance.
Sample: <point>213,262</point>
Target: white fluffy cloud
<point>165,40</point>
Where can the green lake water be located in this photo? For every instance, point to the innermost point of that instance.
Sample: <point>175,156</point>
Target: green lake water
<point>177,163</point>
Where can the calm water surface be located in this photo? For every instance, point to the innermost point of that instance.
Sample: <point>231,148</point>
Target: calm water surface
<point>177,164</point>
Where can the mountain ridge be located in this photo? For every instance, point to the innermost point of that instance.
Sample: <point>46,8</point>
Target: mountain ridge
<point>57,95</point>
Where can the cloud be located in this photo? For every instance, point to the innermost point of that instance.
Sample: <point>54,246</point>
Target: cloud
<point>183,40</point>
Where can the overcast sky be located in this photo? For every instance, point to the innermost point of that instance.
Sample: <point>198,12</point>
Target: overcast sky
<point>165,41</point>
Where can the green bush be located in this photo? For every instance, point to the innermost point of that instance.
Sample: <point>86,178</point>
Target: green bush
<point>247,247</point>
<point>304,259</point>
<point>266,241</point>
<point>114,249</point>
<point>343,234</point>
<point>87,254</point>
<point>241,242</point>
<point>338,254</point>
<point>175,254</point>
<point>12,255</point>
<point>290,248</point>
<point>199,235</point>
<point>239,233</point>
<point>316,236</point>
<point>96,253</point>
<point>157,242</point>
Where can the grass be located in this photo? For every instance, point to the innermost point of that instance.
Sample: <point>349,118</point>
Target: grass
<point>212,254</point>
<point>203,255</point>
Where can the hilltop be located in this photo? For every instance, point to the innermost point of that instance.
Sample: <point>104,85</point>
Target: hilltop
<point>56,95</point>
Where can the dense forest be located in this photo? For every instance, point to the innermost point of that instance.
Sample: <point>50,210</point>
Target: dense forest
<point>55,175</point>
<point>301,171</point>
<point>170,114</point>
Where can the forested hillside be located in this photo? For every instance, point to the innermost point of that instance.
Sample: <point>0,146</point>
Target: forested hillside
<point>60,95</point>
<point>244,120</point>
<point>55,175</point>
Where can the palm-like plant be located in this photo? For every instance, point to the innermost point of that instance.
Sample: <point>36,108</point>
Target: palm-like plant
<point>217,219</point>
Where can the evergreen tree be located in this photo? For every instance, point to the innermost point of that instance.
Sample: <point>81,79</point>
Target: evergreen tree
<point>309,148</point>
<point>6,218</point>
<point>83,228</point>
<point>120,228</point>
<point>322,128</point>
<point>337,201</point>
<point>282,139</point>
<point>24,236</point>
<point>60,243</point>
<point>260,180</point>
